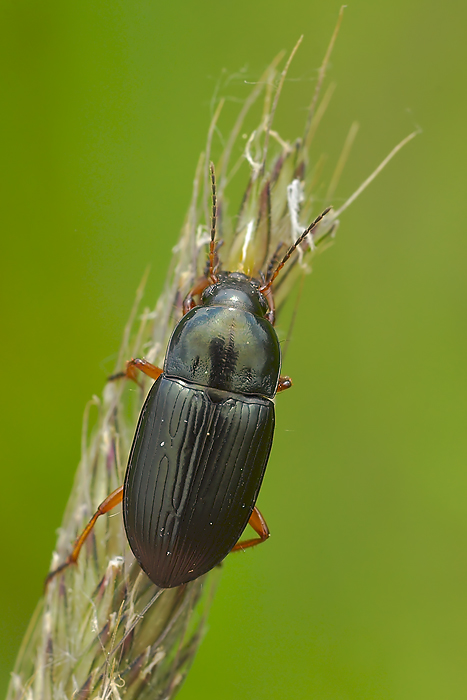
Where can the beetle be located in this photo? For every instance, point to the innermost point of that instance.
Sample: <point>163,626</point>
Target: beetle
<point>205,431</point>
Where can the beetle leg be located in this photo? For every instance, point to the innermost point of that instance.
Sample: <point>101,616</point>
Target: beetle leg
<point>110,502</point>
<point>144,366</point>
<point>132,366</point>
<point>259,525</point>
<point>189,302</point>
<point>271,314</point>
<point>284,383</point>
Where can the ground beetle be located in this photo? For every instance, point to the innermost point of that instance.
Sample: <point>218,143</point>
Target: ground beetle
<point>205,431</point>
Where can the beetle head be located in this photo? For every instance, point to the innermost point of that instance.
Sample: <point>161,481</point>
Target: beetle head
<point>236,291</point>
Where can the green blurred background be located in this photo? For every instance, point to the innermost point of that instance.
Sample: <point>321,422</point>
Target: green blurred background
<point>362,590</point>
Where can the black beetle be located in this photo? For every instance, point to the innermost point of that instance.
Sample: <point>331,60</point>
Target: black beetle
<point>205,431</point>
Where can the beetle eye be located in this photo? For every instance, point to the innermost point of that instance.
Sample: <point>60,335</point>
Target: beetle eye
<point>207,292</point>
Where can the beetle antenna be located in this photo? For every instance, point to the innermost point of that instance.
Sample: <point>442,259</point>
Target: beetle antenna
<point>273,262</point>
<point>308,230</point>
<point>212,245</point>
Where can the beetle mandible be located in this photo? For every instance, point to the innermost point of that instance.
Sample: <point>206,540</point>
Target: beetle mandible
<point>205,431</point>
